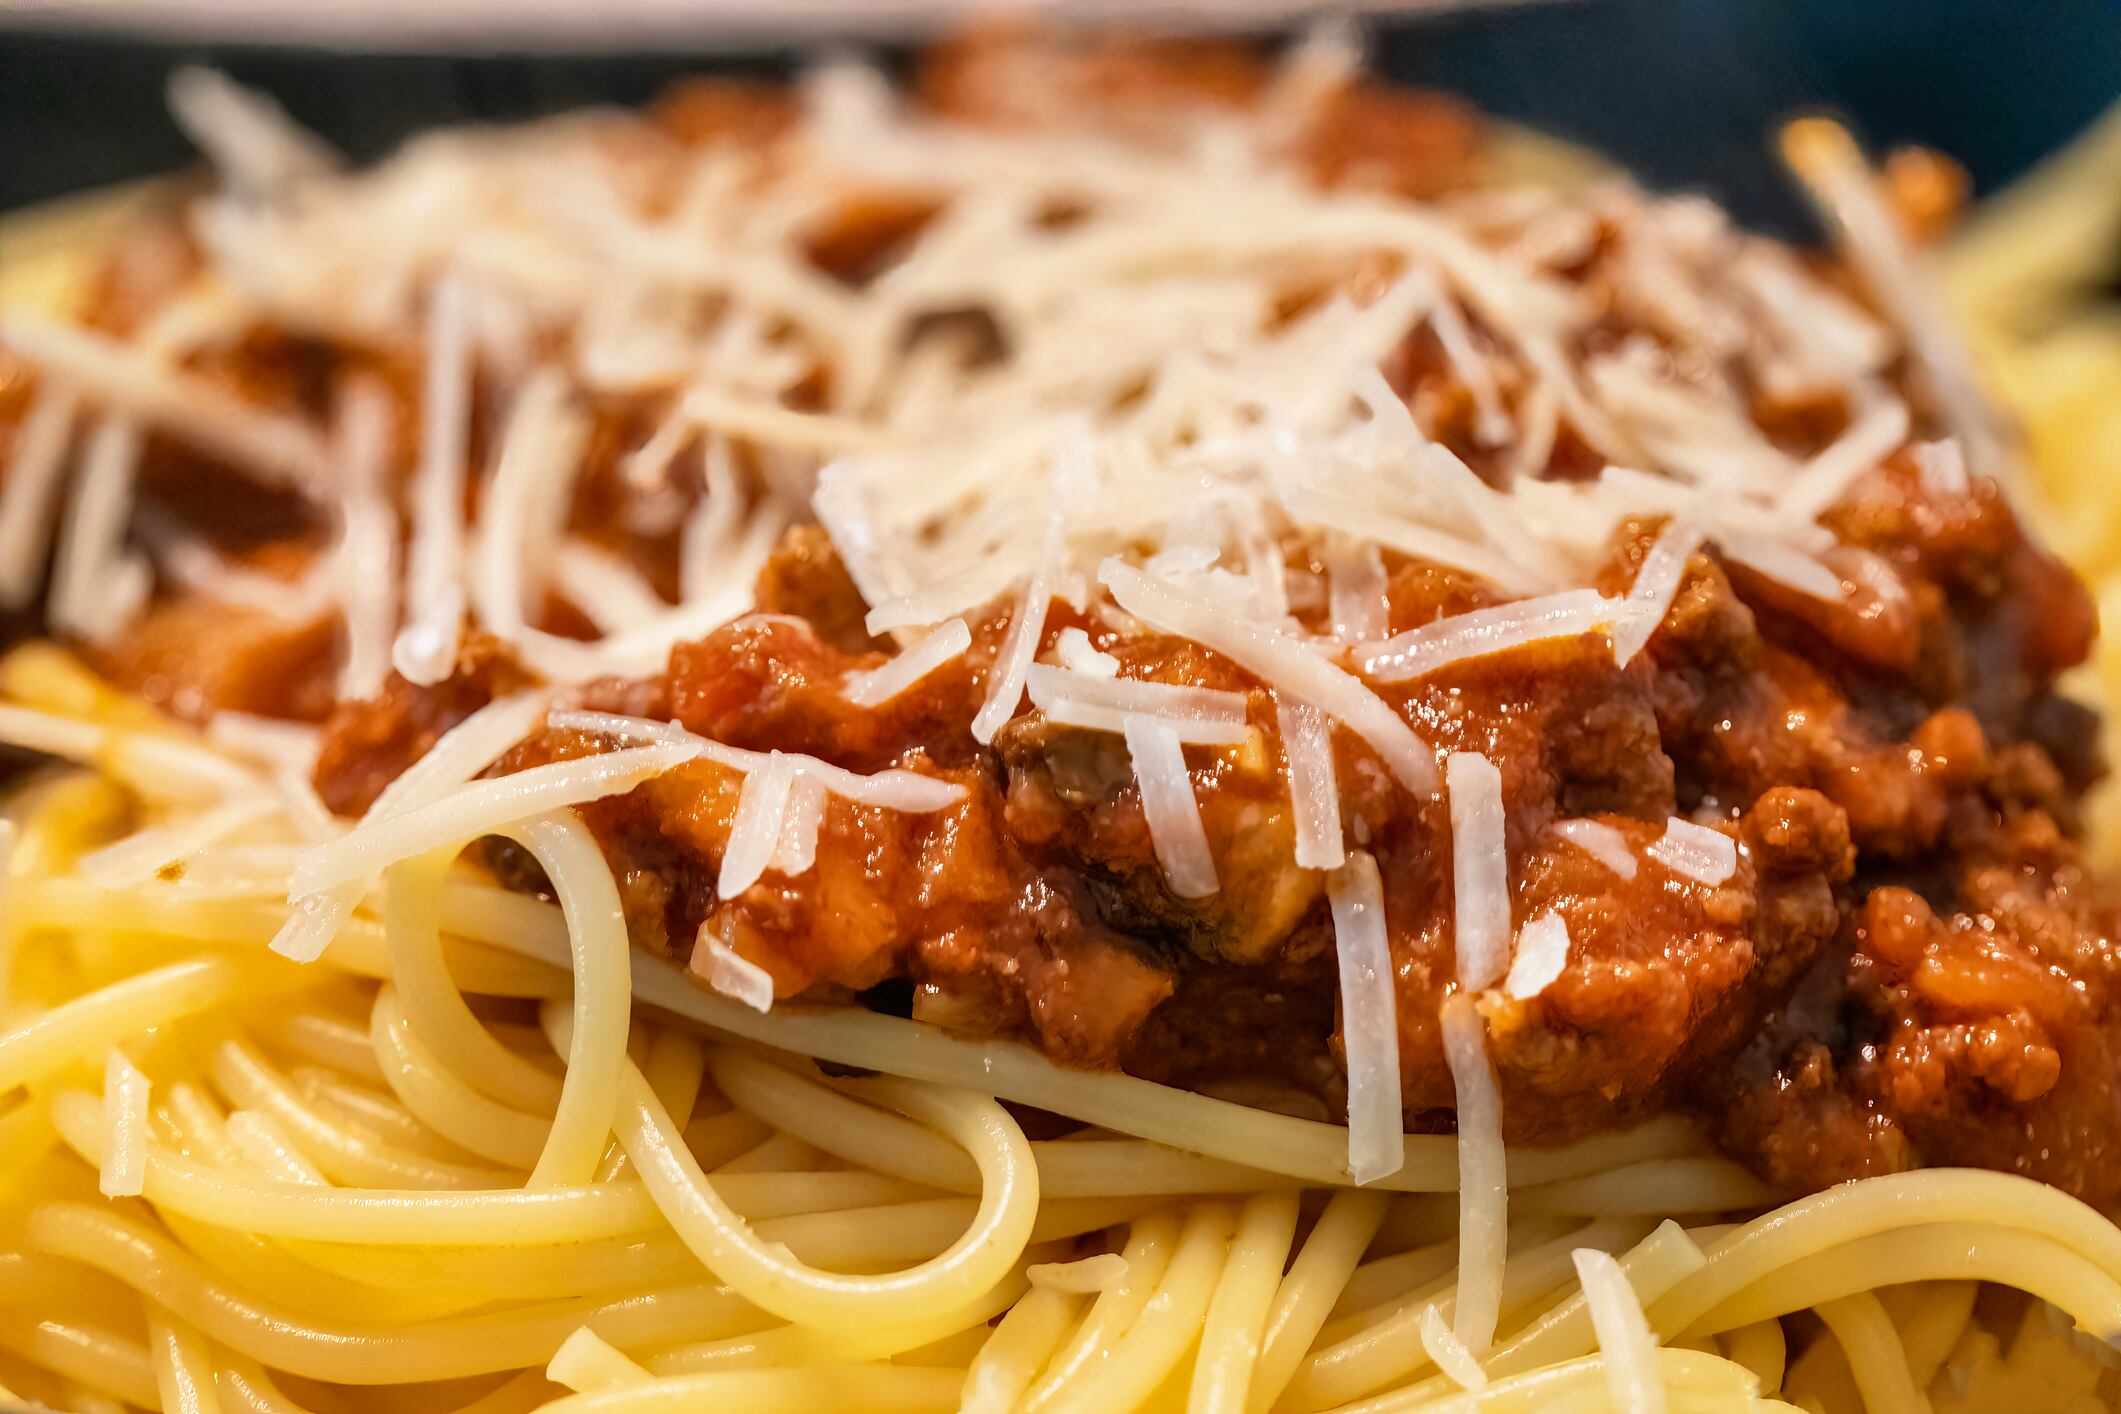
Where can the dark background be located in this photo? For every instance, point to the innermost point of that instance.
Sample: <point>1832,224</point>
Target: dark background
<point>1684,91</point>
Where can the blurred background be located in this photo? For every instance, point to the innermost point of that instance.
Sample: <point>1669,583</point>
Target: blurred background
<point>1686,92</point>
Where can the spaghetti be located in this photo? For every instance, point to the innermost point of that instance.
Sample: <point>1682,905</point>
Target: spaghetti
<point>552,1059</point>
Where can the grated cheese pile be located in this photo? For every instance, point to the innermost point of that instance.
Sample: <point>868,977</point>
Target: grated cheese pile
<point>1141,429</point>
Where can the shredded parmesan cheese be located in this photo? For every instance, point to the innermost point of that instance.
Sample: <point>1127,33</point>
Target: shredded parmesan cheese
<point>258,150</point>
<point>1005,683</point>
<point>365,561</point>
<point>1198,715</point>
<point>734,976</point>
<point>1458,637</point>
<point>1542,953</point>
<point>1450,1353</point>
<point>1656,585</point>
<point>1480,870</point>
<point>1602,842</point>
<point>30,490</point>
<point>1483,1180</point>
<point>1783,563</point>
<point>1361,611</point>
<point>890,790</point>
<point>1942,466</point>
<point>1624,1335</point>
<point>460,754</point>
<point>796,849</point>
<point>1369,1019</point>
<point>755,833</point>
<point>887,680</point>
<point>1074,651</point>
<point>1826,478</point>
<point>1170,808</point>
<point>1696,851</point>
<point>426,648</point>
<point>1839,179</point>
<point>1314,794</point>
<point>97,583</point>
<point>611,593</point>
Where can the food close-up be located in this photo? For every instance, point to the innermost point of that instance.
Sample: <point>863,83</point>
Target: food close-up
<point>1063,719</point>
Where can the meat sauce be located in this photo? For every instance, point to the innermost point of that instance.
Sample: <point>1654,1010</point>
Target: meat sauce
<point>1908,956</point>
<point>1909,967</point>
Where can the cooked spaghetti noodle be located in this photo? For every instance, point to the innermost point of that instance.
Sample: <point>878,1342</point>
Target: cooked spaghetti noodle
<point>411,1101</point>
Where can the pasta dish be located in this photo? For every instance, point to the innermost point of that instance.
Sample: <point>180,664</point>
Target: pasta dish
<point>1137,725</point>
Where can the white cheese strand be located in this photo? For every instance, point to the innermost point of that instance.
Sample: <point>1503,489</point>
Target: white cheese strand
<point>1170,808</point>
<point>893,789</point>
<point>524,508</point>
<point>139,857</point>
<point>1542,954</point>
<point>796,850</point>
<point>30,491</point>
<point>1005,682</point>
<point>888,679</point>
<point>1074,651</point>
<point>1480,870</point>
<point>1942,466</point>
<point>1624,1336</point>
<point>1483,1179</point>
<point>1602,842</point>
<point>364,566</point>
<point>1198,715</point>
<point>426,648</point>
<point>733,975</point>
<point>1781,562</point>
<point>98,584</point>
<point>1369,1019</point>
<point>755,833</point>
<point>1826,478</point>
<point>1521,623</point>
<point>1449,1353</point>
<point>460,754</point>
<point>1696,851</point>
<point>1361,611</point>
<point>1656,585</point>
<point>1314,793</point>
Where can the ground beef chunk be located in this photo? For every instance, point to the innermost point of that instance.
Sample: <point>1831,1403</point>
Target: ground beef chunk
<point>1963,1018</point>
